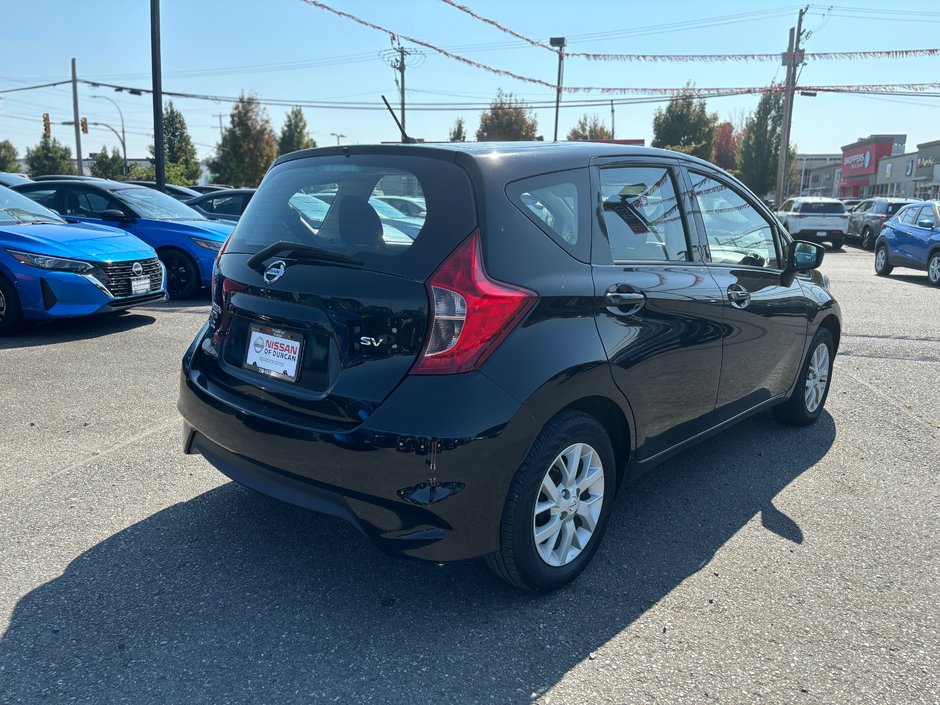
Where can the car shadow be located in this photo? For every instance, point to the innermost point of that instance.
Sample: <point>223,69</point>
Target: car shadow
<point>233,597</point>
<point>913,279</point>
<point>68,329</point>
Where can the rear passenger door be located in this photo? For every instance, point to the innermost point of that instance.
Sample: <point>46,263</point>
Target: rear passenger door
<point>658,310</point>
<point>765,320</point>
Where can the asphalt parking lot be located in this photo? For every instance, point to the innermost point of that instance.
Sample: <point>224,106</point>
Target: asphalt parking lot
<point>766,565</point>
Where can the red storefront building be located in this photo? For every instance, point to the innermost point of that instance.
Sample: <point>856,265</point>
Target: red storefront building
<point>860,163</point>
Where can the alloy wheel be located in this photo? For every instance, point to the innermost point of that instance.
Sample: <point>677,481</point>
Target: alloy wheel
<point>881,258</point>
<point>177,277</point>
<point>568,506</point>
<point>3,306</point>
<point>933,269</point>
<point>817,377</point>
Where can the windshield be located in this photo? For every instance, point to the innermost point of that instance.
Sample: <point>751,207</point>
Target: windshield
<point>156,205</point>
<point>17,209</point>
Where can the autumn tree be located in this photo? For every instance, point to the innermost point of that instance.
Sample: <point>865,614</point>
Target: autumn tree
<point>294,134</point>
<point>760,144</point>
<point>8,156</point>
<point>107,166</point>
<point>508,119</point>
<point>725,149</point>
<point>589,127</point>
<point>685,125</point>
<point>178,146</point>
<point>49,157</point>
<point>458,133</point>
<point>248,145</point>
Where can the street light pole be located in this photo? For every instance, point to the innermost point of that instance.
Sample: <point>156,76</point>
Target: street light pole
<point>337,136</point>
<point>122,137</point>
<point>157,72</point>
<point>558,43</point>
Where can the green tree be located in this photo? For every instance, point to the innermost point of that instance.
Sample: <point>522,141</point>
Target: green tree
<point>294,133</point>
<point>107,166</point>
<point>760,144</point>
<point>178,147</point>
<point>507,120</point>
<point>8,156</point>
<point>589,127</point>
<point>458,133</point>
<point>685,125</point>
<point>248,145</point>
<point>49,157</point>
<point>173,173</point>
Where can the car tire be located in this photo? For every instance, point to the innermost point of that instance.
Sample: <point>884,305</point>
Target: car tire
<point>182,274</point>
<point>11,313</point>
<point>837,243</point>
<point>933,268</point>
<point>882,264</point>
<point>546,550</point>
<point>809,396</point>
<point>868,238</point>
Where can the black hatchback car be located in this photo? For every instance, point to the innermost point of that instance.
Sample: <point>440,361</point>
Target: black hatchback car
<point>566,316</point>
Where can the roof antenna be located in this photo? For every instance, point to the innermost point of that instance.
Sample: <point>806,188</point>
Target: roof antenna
<point>405,139</point>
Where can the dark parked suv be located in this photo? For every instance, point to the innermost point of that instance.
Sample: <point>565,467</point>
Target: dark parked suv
<point>565,317</point>
<point>868,217</point>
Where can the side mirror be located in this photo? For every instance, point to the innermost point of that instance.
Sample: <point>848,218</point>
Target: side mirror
<point>925,223</point>
<point>113,214</point>
<point>801,257</point>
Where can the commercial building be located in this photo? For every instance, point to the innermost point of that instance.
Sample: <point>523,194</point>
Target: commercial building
<point>926,171</point>
<point>807,163</point>
<point>860,163</point>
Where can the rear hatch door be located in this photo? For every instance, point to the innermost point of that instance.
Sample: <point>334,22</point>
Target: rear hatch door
<point>320,306</point>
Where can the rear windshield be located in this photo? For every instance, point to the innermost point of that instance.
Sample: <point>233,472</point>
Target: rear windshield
<point>821,208</point>
<point>334,203</point>
<point>895,207</point>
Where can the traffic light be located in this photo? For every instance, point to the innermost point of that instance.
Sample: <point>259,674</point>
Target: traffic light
<point>85,126</point>
<point>46,125</point>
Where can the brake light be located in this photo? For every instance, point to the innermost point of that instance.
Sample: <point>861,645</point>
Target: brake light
<point>471,315</point>
<point>215,272</point>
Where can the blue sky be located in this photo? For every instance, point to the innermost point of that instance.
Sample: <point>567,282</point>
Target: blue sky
<point>287,49</point>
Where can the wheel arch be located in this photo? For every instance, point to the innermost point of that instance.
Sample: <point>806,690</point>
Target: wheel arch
<point>612,417</point>
<point>832,324</point>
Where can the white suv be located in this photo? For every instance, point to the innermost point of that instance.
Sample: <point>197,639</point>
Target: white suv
<point>815,219</point>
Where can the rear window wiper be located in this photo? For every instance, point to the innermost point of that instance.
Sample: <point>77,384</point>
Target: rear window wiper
<point>287,248</point>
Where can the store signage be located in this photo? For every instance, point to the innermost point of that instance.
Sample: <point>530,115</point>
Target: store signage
<point>924,162</point>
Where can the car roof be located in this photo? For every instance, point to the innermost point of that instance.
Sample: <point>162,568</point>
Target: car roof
<point>105,184</point>
<point>221,193</point>
<point>816,199</point>
<point>527,158</point>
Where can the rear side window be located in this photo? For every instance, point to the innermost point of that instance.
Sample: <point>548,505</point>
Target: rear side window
<point>557,204</point>
<point>641,214</point>
<point>333,203</point>
<point>894,208</point>
<point>816,208</point>
<point>907,215</point>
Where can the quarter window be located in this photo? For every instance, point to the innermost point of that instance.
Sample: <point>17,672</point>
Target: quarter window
<point>641,215</point>
<point>737,233</point>
<point>556,204</point>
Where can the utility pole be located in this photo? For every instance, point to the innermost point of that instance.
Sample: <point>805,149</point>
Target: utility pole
<point>78,129</point>
<point>559,43</point>
<point>792,60</point>
<point>401,70</point>
<point>612,134</point>
<point>156,70</point>
<point>220,116</point>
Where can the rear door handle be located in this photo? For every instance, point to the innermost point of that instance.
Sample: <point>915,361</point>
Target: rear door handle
<point>738,296</point>
<point>623,298</point>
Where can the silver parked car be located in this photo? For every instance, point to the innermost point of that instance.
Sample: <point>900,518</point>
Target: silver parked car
<point>868,217</point>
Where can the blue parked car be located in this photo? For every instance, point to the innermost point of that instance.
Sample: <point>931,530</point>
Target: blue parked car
<point>911,239</point>
<point>52,269</point>
<point>185,241</point>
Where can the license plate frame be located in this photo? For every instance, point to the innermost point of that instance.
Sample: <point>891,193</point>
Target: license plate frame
<point>257,332</point>
<point>822,233</point>
<point>140,285</point>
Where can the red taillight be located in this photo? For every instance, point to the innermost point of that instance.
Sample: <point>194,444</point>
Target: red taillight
<point>215,271</point>
<point>471,315</point>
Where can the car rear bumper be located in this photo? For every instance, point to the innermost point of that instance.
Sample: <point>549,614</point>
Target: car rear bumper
<point>432,490</point>
<point>819,235</point>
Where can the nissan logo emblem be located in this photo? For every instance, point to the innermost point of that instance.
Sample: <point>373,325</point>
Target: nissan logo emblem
<point>275,272</point>
<point>137,269</point>
<point>258,345</point>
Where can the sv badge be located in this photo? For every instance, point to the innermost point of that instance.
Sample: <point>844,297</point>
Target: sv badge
<point>374,342</point>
